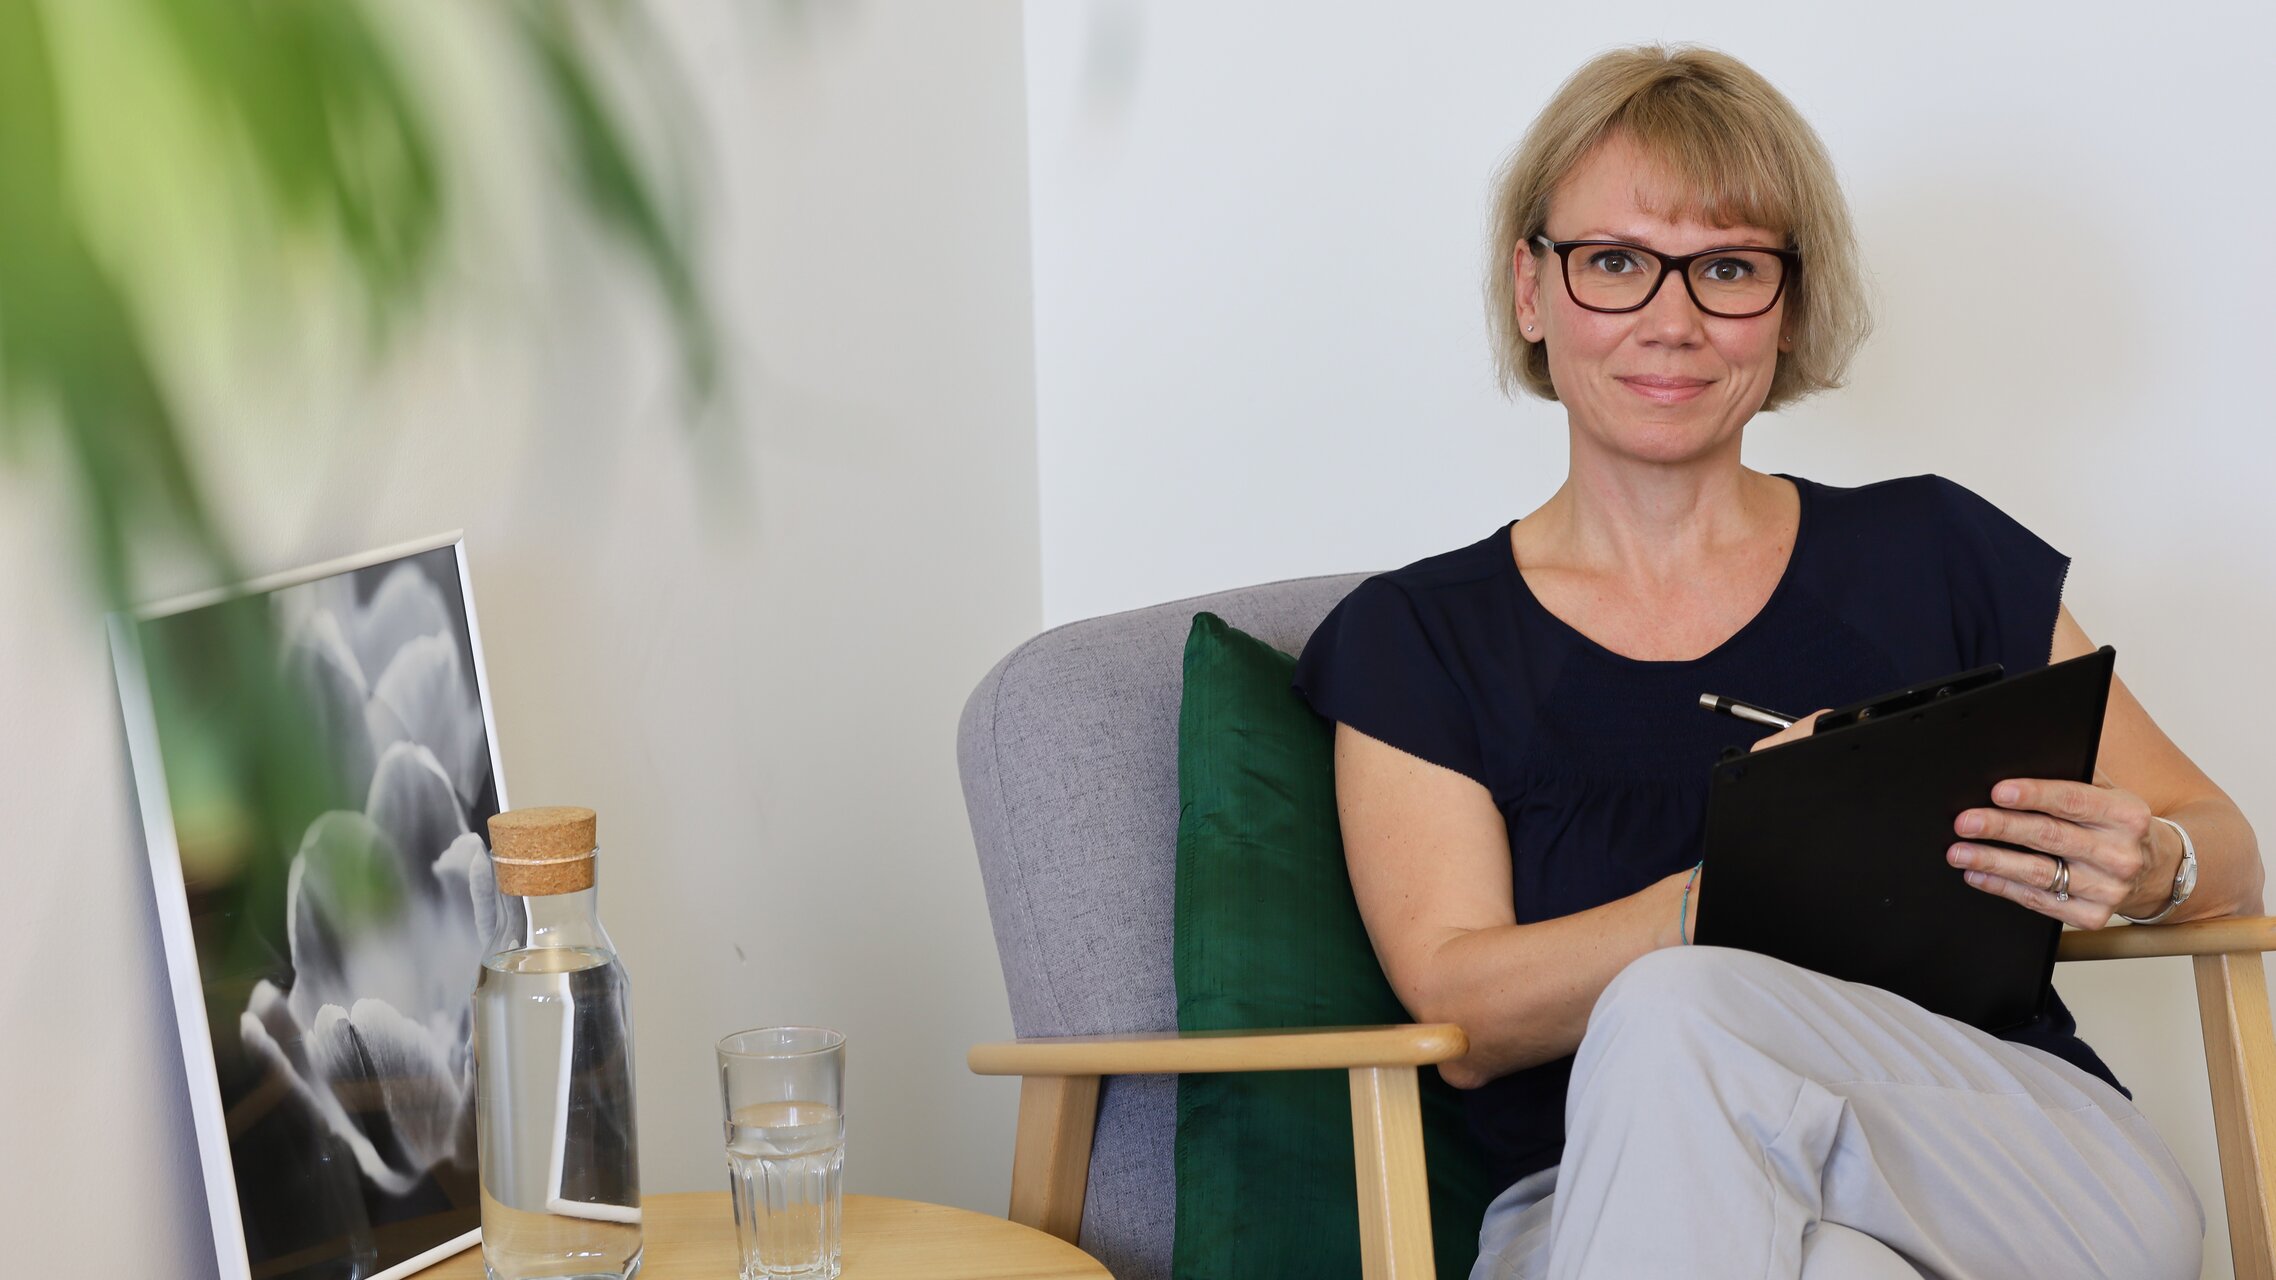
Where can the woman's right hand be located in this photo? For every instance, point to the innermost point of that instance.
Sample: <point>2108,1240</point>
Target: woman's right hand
<point>1801,728</point>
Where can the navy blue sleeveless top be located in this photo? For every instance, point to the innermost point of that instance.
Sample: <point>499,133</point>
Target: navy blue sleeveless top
<point>1599,763</point>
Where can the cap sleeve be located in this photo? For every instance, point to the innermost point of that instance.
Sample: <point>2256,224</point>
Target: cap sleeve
<point>1373,665</point>
<point>2007,584</point>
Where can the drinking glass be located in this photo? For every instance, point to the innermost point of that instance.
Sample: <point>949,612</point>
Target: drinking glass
<point>783,1089</point>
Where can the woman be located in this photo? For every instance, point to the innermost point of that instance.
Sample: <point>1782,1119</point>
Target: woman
<point>1521,763</point>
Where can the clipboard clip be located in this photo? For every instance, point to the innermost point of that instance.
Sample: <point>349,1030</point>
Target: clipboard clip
<point>1908,698</point>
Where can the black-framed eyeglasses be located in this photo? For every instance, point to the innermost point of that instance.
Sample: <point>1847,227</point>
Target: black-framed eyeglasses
<point>1737,282</point>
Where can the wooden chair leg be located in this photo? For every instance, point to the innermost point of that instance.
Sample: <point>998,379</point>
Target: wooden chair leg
<point>1394,1190</point>
<point>2240,1061</point>
<point>1051,1165</point>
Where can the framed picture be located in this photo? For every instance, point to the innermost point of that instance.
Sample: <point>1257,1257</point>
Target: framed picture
<point>324,920</point>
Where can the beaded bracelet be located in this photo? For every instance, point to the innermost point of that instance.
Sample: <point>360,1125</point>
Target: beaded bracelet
<point>1683,913</point>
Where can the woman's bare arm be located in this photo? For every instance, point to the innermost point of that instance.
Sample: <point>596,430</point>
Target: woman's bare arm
<point>1430,865</point>
<point>2138,756</point>
<point>2121,861</point>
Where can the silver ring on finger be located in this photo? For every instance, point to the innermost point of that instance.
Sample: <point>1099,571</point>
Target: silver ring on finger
<point>2061,887</point>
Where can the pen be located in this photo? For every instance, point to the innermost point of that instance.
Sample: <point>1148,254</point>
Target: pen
<point>1745,710</point>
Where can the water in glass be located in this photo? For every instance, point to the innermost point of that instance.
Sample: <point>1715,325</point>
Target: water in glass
<point>785,1160</point>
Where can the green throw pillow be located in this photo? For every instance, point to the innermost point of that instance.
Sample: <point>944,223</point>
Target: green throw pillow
<point>1268,936</point>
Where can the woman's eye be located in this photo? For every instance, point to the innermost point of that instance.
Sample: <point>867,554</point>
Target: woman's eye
<point>1612,262</point>
<point>1728,270</point>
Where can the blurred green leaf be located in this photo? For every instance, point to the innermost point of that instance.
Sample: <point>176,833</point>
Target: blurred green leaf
<point>621,195</point>
<point>246,772</point>
<point>330,126</point>
<point>317,106</point>
<point>70,351</point>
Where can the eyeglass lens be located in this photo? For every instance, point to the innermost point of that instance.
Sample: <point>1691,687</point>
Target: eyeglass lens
<point>1731,282</point>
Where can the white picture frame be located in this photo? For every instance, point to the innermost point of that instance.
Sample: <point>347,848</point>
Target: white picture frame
<point>406,1143</point>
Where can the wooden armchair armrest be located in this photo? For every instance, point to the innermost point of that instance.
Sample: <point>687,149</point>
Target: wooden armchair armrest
<point>2240,1057</point>
<point>2196,938</point>
<point>1058,1109</point>
<point>1178,1052</point>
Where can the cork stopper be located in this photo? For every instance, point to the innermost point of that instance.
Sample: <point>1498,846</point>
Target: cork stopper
<point>543,850</point>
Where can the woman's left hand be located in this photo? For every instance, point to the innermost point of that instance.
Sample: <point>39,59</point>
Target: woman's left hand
<point>2104,834</point>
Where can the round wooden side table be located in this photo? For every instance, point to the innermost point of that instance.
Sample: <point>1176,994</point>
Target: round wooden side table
<point>691,1236</point>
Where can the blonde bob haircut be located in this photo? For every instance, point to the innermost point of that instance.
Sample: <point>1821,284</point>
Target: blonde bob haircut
<point>1744,157</point>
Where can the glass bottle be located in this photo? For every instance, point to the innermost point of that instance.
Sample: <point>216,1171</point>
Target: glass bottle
<point>553,1063</point>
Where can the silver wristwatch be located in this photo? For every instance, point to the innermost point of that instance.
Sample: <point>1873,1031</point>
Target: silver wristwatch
<point>2184,880</point>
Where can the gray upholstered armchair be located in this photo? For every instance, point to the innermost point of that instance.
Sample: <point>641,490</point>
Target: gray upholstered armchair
<point>1068,751</point>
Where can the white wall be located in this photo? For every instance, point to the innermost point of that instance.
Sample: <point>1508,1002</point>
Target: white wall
<point>1258,235</point>
<point>759,696</point>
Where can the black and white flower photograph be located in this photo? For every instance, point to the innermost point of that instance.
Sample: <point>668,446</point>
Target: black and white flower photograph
<point>337,948</point>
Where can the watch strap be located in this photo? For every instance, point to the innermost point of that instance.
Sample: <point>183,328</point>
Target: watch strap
<point>2180,875</point>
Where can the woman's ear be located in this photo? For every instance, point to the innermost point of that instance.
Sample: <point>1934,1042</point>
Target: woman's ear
<point>1527,293</point>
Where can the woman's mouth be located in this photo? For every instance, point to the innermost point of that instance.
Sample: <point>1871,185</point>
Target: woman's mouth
<point>1665,390</point>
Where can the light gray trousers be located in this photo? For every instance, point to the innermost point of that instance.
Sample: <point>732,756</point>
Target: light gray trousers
<point>1731,1115</point>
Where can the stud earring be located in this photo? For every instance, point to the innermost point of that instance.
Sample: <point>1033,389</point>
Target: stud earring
<point>1529,328</point>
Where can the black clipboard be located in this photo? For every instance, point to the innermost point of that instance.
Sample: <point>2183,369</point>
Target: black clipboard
<point>1829,851</point>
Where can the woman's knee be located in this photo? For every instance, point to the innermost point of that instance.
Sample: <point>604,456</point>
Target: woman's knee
<point>1831,1251</point>
<point>1690,982</point>
<point>1699,1006</point>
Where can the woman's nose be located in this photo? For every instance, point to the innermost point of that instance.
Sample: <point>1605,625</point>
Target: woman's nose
<point>1671,317</point>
